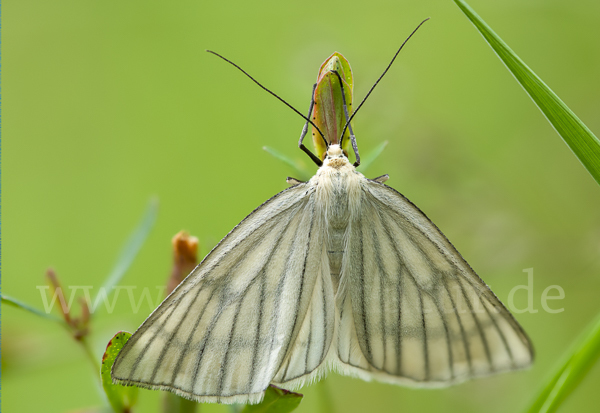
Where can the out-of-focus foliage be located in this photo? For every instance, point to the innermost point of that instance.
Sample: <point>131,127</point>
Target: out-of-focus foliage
<point>108,103</point>
<point>276,400</point>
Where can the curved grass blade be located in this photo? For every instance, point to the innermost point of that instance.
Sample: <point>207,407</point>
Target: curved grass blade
<point>19,304</point>
<point>584,144</point>
<point>121,398</point>
<point>132,247</point>
<point>576,364</point>
<point>302,173</point>
<point>276,400</point>
<point>371,156</point>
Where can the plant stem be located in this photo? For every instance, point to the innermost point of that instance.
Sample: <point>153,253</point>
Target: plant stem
<point>90,354</point>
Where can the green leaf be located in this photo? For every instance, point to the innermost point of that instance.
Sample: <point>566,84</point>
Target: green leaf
<point>173,403</point>
<point>19,304</point>
<point>371,156</point>
<point>121,398</point>
<point>303,175</point>
<point>574,367</point>
<point>584,144</point>
<point>276,400</point>
<point>338,62</point>
<point>328,112</point>
<point>132,247</point>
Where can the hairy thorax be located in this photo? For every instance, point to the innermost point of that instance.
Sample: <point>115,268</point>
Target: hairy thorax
<point>338,187</point>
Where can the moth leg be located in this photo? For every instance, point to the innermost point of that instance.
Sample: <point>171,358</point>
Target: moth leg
<point>381,179</point>
<point>293,181</point>
<point>312,156</point>
<point>352,137</point>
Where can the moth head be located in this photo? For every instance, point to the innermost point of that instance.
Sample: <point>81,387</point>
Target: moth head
<point>335,151</point>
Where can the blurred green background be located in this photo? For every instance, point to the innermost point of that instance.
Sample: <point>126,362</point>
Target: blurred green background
<point>109,103</point>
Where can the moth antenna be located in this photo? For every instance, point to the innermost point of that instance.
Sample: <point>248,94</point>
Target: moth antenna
<point>380,77</point>
<point>312,156</point>
<point>272,93</point>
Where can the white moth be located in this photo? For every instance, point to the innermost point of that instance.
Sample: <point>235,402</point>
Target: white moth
<point>339,273</point>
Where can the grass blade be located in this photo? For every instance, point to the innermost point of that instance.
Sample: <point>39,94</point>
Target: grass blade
<point>132,247</point>
<point>371,156</point>
<point>584,144</point>
<point>577,362</point>
<point>303,175</point>
<point>19,304</point>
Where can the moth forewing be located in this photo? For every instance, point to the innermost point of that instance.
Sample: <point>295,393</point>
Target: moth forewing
<point>454,326</point>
